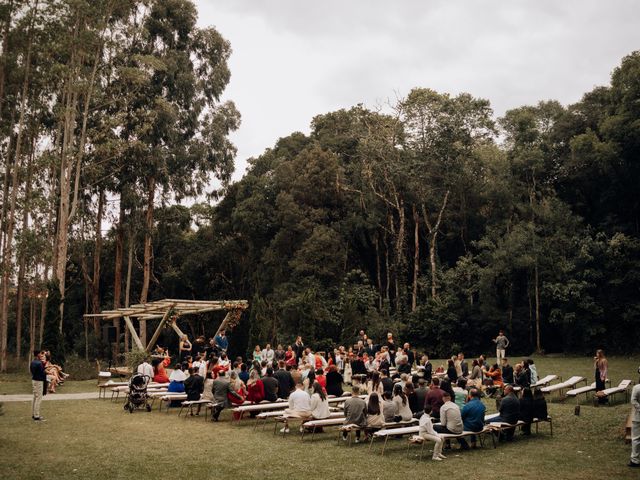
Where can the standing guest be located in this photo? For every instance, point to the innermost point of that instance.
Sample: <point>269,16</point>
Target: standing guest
<point>601,365</point>
<point>463,365</point>
<point>392,348</point>
<point>221,341</point>
<point>38,384</point>
<point>355,412</point>
<point>502,343</point>
<point>184,348</point>
<point>222,389</point>
<point>298,349</point>
<point>362,337</point>
<point>270,385</point>
<point>427,432</point>
<point>635,428</point>
<point>199,346</point>
<point>435,398</point>
<point>526,410</point>
<point>268,354</point>
<point>533,370</point>
<point>475,377</point>
<point>194,385</point>
<point>370,348</point>
<point>507,371</point>
<point>458,365</point>
<point>473,414</point>
<point>428,368</point>
<point>299,406</point>
<point>411,355</point>
<point>319,402</point>
<point>451,420</point>
<point>285,380</point>
<point>255,388</point>
<point>451,371</point>
<point>539,405</point>
<point>201,366</point>
<point>509,411</point>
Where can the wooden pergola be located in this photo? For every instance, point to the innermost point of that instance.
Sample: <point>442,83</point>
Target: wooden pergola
<point>168,311</point>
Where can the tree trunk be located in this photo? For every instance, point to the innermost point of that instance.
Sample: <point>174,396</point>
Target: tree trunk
<point>416,257</point>
<point>128,285</point>
<point>26,210</point>
<point>5,49</point>
<point>148,254</point>
<point>117,282</point>
<point>378,273</point>
<point>537,298</point>
<point>95,283</point>
<point>433,238</point>
<point>7,253</point>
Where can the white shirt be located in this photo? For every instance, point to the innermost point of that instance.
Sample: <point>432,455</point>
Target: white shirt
<point>311,360</point>
<point>145,368</point>
<point>202,368</point>
<point>268,355</point>
<point>425,425</point>
<point>319,408</point>
<point>177,376</point>
<point>300,401</point>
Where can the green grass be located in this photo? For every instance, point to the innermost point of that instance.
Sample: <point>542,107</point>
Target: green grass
<point>97,439</point>
<point>14,383</point>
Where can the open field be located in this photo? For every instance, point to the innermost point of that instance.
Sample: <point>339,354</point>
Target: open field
<point>97,439</point>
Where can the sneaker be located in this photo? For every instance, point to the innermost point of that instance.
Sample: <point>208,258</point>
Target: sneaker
<point>39,419</point>
<point>285,430</point>
<point>441,456</point>
<point>344,439</point>
<point>357,440</point>
<point>633,465</point>
<point>301,429</point>
<point>437,459</point>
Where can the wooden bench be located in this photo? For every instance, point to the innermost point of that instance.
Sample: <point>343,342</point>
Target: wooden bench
<point>418,440</point>
<point>189,404</point>
<point>623,387</point>
<point>559,387</point>
<point>500,426</point>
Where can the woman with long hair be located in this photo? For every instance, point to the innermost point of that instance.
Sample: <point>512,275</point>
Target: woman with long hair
<point>255,388</point>
<point>334,381</point>
<point>601,365</point>
<point>257,354</point>
<point>375,417</point>
<point>319,402</point>
<point>375,385</point>
<point>402,404</point>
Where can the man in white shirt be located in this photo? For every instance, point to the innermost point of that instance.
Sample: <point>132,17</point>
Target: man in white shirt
<point>269,355</point>
<point>451,420</point>
<point>201,365</point>
<point>145,368</point>
<point>299,406</point>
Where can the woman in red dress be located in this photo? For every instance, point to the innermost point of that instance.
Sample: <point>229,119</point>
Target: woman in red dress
<point>255,388</point>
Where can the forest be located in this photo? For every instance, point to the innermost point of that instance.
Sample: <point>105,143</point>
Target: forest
<point>429,216</point>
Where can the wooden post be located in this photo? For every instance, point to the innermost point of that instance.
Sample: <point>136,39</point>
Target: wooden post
<point>133,333</point>
<point>156,334</point>
<point>223,325</point>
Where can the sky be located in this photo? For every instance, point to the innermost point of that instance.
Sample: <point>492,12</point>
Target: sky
<point>295,59</point>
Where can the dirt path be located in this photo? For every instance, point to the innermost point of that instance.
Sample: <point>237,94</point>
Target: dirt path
<point>52,396</point>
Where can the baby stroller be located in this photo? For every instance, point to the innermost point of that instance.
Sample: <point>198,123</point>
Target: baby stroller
<point>137,396</point>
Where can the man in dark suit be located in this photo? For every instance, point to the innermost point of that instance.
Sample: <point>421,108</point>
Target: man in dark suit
<point>285,380</point>
<point>221,388</point>
<point>509,411</point>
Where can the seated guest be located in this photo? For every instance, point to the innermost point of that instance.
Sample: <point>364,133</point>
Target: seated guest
<point>410,392</point>
<point>539,405</point>
<point>194,385</point>
<point>387,383</point>
<point>389,409</point>
<point>239,387</point>
<point>255,388</point>
<point>319,402</point>
<point>320,378</point>
<point>435,398</point>
<point>463,365</point>
<point>451,419</point>
<point>375,415</point>
<point>299,406</point>
<point>334,381</point>
<point>421,393</point>
<point>427,432</point>
<point>207,391</point>
<point>509,411</point>
<point>473,414</point>
<point>475,377</point>
<point>375,384</point>
<point>221,390</point>
<point>176,380</point>
<point>270,385</point>
<point>507,372</point>
<point>402,404</point>
<point>159,373</point>
<point>523,376</point>
<point>451,371</point>
<point>355,412</point>
<point>494,375</point>
<point>427,368</point>
<point>145,368</point>
<point>460,392</point>
<point>244,374</point>
<point>526,410</point>
<point>285,380</point>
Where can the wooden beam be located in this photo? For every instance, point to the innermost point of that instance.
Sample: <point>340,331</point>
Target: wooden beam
<point>156,334</point>
<point>176,328</point>
<point>133,332</point>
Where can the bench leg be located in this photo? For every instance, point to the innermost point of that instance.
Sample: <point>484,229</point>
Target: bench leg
<point>386,439</point>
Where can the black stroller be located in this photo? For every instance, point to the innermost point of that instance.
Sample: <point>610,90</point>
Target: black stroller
<point>138,396</point>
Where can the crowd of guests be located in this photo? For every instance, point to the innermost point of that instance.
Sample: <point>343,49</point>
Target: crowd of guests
<point>389,383</point>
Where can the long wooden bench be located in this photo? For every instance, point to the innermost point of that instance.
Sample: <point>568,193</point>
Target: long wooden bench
<point>487,430</point>
<point>500,426</point>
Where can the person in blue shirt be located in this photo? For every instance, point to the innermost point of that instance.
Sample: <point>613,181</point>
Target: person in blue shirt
<point>473,414</point>
<point>222,342</point>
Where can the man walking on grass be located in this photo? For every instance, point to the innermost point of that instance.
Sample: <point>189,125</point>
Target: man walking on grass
<point>38,381</point>
<point>502,343</point>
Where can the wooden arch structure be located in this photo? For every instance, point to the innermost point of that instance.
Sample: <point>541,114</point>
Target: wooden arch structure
<point>168,311</point>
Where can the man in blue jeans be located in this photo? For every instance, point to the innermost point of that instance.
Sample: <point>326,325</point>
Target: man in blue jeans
<point>38,379</point>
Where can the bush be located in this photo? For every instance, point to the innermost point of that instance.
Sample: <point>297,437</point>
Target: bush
<point>79,368</point>
<point>134,358</point>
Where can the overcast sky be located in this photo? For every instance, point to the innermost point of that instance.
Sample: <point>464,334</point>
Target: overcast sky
<point>295,59</point>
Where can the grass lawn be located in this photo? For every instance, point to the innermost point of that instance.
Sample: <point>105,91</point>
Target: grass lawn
<point>97,439</point>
